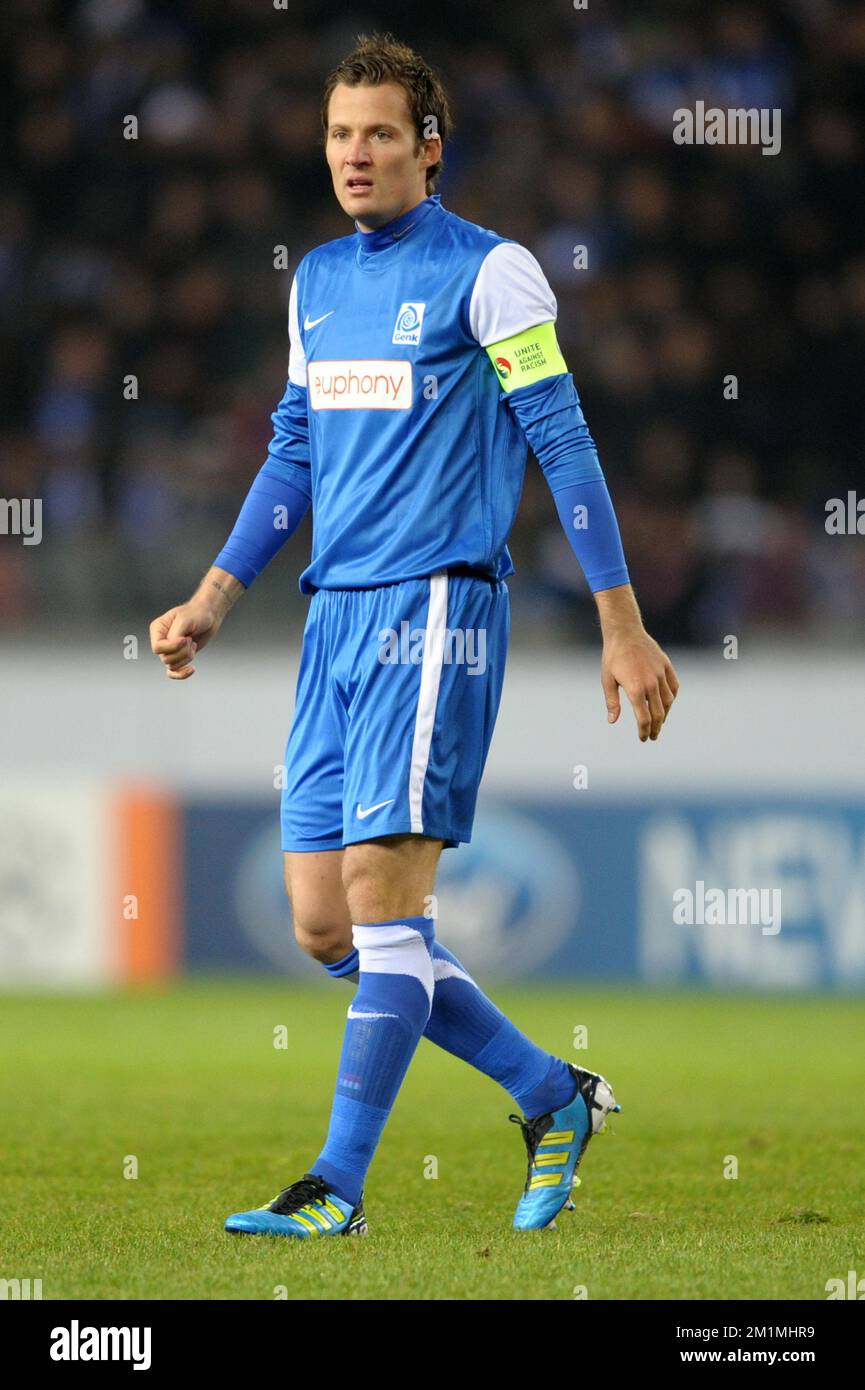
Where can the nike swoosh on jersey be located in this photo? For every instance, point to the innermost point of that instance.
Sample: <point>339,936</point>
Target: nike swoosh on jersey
<point>362,814</point>
<point>310,323</point>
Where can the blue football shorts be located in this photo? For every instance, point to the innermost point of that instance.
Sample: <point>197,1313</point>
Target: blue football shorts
<point>397,696</point>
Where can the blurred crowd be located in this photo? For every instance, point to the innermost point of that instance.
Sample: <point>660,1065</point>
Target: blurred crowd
<point>715,325</point>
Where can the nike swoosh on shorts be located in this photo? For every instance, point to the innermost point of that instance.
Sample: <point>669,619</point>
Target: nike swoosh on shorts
<point>362,814</point>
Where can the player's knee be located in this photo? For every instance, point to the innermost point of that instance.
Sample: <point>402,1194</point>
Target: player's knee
<point>322,938</point>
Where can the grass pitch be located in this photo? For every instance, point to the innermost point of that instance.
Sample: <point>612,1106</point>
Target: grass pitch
<point>188,1085</point>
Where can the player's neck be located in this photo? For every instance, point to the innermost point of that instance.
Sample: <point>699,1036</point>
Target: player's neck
<point>374,238</point>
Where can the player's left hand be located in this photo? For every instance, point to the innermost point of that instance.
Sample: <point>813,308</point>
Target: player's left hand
<point>634,661</point>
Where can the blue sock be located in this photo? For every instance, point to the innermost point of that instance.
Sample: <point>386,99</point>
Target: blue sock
<point>467,1024</point>
<point>385,1021</point>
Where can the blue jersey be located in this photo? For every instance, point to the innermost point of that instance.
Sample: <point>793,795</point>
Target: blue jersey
<point>423,362</point>
<point>395,420</point>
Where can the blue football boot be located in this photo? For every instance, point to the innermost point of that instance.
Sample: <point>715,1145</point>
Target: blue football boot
<point>555,1144</point>
<point>304,1209</point>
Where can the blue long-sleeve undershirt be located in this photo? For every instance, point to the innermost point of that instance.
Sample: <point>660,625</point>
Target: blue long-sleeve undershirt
<point>589,521</point>
<point>551,417</point>
<point>273,510</point>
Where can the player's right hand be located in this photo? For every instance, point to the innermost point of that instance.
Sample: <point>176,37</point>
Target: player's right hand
<point>177,635</point>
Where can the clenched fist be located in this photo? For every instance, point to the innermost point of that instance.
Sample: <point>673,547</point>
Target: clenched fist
<point>179,633</point>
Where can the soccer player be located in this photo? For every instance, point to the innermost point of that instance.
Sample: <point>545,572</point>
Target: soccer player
<point>423,356</point>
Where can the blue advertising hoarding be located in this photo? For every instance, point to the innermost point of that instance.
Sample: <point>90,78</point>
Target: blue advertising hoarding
<point>765,895</point>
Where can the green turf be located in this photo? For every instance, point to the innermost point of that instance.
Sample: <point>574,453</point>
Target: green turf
<point>189,1082</point>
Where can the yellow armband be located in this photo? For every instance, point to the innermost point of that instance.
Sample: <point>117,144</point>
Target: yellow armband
<point>527,357</point>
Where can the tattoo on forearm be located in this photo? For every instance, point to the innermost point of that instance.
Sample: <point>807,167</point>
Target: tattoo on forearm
<point>222,589</point>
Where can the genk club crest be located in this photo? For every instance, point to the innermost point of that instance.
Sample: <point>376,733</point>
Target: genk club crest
<point>409,322</point>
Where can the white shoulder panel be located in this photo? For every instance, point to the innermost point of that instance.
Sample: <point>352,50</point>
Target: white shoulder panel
<point>511,294</point>
<point>296,354</point>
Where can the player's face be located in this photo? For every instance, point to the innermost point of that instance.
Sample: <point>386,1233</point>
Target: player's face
<point>377,164</point>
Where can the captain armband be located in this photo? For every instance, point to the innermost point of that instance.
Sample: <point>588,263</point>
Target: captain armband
<point>527,357</point>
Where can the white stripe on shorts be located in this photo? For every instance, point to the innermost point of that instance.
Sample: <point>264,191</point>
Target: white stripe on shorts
<point>430,677</point>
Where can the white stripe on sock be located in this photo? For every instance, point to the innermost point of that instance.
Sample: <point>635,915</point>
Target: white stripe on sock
<point>445,970</point>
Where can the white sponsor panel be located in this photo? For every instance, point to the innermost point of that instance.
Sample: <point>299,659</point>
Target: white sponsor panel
<point>55,848</point>
<point>361,384</point>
